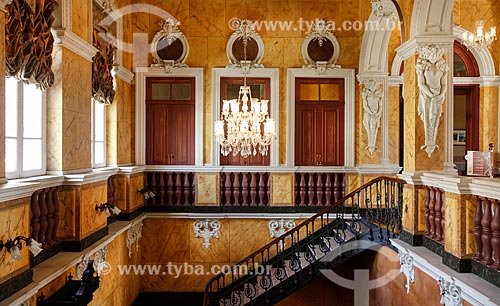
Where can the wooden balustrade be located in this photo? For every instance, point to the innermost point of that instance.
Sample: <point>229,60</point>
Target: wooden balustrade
<point>44,212</point>
<point>171,188</point>
<point>244,188</point>
<point>434,213</point>
<point>487,231</point>
<point>316,189</point>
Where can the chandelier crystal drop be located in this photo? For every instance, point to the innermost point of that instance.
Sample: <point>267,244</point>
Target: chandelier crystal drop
<point>480,39</point>
<point>245,126</point>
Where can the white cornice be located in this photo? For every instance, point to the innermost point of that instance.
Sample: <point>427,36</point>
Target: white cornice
<point>132,169</point>
<point>73,42</point>
<point>91,177</point>
<point>379,169</point>
<point>475,290</point>
<point>123,74</point>
<point>395,80</point>
<point>409,48</point>
<point>486,81</point>
<point>13,191</point>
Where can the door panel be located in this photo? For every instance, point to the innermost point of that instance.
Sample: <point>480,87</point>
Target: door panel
<point>305,131</point>
<point>319,121</point>
<point>180,126</point>
<point>333,123</point>
<point>170,121</point>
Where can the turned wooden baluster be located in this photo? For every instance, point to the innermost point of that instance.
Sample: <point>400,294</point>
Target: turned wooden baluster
<point>168,189</point>
<point>43,218</point>
<point>187,189</point>
<point>437,215</point>
<point>328,189</point>
<point>177,187</point>
<point>302,188</point>
<point>50,216</point>
<point>160,188</point>
<point>236,188</point>
<point>427,209</point>
<point>262,187</point>
<point>319,187</point>
<point>495,233</point>
<point>443,212</point>
<point>310,189</point>
<point>35,212</point>
<point>336,187</point>
<point>478,229</point>
<point>268,188</point>
<point>229,191</point>
<point>432,202</point>
<point>486,236</point>
<point>342,188</point>
<point>57,207</point>
<point>253,188</point>
<point>244,189</point>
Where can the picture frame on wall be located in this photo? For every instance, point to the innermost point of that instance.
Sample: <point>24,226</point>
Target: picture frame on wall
<point>459,137</point>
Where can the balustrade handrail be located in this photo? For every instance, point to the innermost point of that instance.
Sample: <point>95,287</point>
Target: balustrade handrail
<point>297,229</point>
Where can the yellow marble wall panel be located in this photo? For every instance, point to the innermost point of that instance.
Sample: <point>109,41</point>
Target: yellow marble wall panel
<point>76,99</point>
<point>353,181</point>
<point>69,196</point>
<point>81,19</point>
<point>488,127</point>
<point>15,221</point>
<point>421,197</point>
<point>90,219</point>
<point>136,199</point>
<point>2,94</point>
<point>242,242</point>
<point>282,189</point>
<point>207,189</point>
<point>121,193</point>
<point>275,52</point>
<point>173,232</point>
<point>282,10</point>
<point>56,284</point>
<point>410,209</point>
<point>452,231</point>
<point>470,208</point>
<point>393,115</point>
<point>202,21</point>
<point>198,48</point>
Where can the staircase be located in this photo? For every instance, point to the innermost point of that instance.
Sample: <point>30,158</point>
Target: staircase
<point>372,212</point>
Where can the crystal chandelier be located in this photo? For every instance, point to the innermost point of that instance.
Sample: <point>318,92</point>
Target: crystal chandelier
<point>240,128</point>
<point>480,39</point>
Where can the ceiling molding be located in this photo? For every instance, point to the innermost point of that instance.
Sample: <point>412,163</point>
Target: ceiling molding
<point>73,42</point>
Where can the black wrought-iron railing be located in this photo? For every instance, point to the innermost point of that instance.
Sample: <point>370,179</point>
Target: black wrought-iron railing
<point>373,211</point>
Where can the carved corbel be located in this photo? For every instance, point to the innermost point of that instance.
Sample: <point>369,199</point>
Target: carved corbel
<point>206,229</point>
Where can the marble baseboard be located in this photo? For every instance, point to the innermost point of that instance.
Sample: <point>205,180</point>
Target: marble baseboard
<point>432,245</point>
<point>15,284</point>
<point>173,298</point>
<point>461,265</point>
<point>45,254</point>
<point>129,216</point>
<point>411,239</point>
<point>486,273</point>
<point>78,246</point>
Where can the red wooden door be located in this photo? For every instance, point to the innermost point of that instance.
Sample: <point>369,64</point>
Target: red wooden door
<point>260,88</point>
<point>319,122</point>
<point>170,121</point>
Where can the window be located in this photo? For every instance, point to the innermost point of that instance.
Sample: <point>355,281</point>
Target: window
<point>24,130</point>
<point>98,135</point>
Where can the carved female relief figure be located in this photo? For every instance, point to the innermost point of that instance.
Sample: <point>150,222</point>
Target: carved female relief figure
<point>372,105</point>
<point>432,71</point>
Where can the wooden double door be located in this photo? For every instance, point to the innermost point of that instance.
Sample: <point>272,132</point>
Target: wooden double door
<point>170,121</point>
<point>319,122</point>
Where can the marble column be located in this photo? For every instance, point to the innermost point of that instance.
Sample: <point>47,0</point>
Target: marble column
<point>2,95</point>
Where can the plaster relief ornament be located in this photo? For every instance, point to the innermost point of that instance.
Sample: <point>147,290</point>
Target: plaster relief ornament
<point>432,72</point>
<point>372,104</point>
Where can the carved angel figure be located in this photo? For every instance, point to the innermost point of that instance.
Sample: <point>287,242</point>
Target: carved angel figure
<point>432,72</point>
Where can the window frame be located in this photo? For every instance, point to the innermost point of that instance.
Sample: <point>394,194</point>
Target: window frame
<point>20,173</point>
<point>92,136</point>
